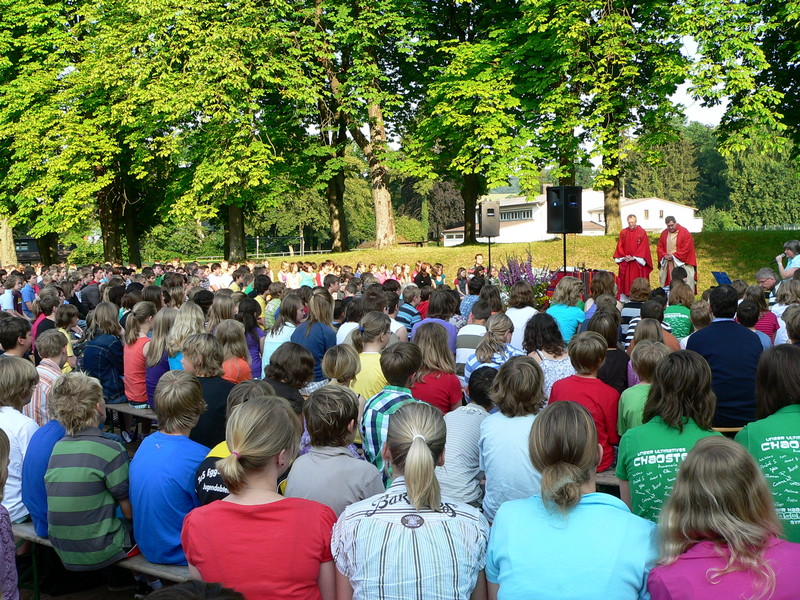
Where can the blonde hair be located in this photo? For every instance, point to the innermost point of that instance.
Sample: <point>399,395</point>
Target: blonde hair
<point>222,309</point>
<point>563,448</point>
<point>567,292</point>
<point>788,292</point>
<point>373,325</point>
<point>5,453</point>
<point>230,334</point>
<point>431,338</point>
<point>140,312</point>
<point>51,343</point>
<point>257,431</point>
<point>494,340</point>
<point>517,389</point>
<point>205,353</point>
<point>105,320</point>
<point>179,401</point>
<point>247,390</point>
<point>648,330</point>
<point>720,495</point>
<point>645,358</point>
<point>162,324</point>
<point>177,296</point>
<point>320,310</point>
<point>416,440</point>
<point>18,377</point>
<point>190,320</point>
<point>73,401</point>
<point>341,363</point>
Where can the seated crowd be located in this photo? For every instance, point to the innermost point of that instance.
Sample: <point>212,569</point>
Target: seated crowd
<point>380,433</point>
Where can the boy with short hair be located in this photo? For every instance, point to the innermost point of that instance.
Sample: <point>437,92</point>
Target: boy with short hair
<point>86,480</point>
<point>646,356</point>
<point>460,477</point>
<point>398,363</point>
<point>587,351</point>
<point>15,336</point>
<point>329,473</point>
<point>162,471</point>
<point>53,351</point>
<point>407,314</point>
<point>700,316</point>
<point>17,379</point>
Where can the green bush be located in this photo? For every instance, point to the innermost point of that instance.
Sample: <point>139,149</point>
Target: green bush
<point>411,229</point>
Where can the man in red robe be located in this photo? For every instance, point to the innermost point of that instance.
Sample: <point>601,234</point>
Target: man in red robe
<point>676,249</point>
<point>632,255</point>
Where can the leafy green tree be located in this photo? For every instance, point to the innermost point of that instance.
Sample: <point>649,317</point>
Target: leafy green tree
<point>765,185</point>
<point>669,171</point>
<point>712,187</point>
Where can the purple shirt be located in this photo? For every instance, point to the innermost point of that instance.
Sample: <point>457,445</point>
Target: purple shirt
<point>686,578</point>
<point>452,331</point>
<point>255,351</point>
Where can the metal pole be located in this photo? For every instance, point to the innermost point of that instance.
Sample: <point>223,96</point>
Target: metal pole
<point>490,257</point>
<point>564,238</point>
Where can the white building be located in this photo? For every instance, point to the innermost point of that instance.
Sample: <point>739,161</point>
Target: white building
<point>523,220</point>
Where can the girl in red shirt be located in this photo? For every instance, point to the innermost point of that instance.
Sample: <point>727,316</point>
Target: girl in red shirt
<point>139,323</point>
<point>436,382</point>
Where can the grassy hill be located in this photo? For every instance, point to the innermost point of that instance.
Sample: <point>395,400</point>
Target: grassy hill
<point>739,253</point>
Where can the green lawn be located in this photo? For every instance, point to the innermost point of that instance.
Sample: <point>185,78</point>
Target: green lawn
<point>739,253</point>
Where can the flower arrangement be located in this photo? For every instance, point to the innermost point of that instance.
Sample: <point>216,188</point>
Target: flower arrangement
<point>516,269</point>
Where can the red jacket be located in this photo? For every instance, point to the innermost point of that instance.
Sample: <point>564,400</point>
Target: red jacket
<point>684,250</point>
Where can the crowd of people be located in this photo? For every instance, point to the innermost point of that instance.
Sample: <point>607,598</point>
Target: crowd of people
<point>329,432</point>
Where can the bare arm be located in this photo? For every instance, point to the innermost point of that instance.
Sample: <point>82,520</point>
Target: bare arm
<point>492,589</point>
<point>480,592</point>
<point>326,581</point>
<point>126,508</point>
<point>625,492</point>
<point>402,334</point>
<point>344,591</point>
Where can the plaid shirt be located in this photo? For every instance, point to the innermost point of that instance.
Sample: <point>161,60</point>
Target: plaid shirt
<point>375,423</point>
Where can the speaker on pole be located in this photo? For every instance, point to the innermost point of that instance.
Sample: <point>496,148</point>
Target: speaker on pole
<point>489,219</point>
<point>564,209</point>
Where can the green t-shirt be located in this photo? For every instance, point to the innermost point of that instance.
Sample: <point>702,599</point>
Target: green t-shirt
<point>775,444</point>
<point>677,317</point>
<point>631,407</point>
<point>649,457</point>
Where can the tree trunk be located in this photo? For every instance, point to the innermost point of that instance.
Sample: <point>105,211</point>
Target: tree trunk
<point>335,197</point>
<point>48,248</point>
<point>132,236</point>
<point>236,245</point>
<point>385,234</point>
<point>8,249</point>
<point>611,206</point>
<point>565,160</point>
<point>470,191</point>
<point>108,210</point>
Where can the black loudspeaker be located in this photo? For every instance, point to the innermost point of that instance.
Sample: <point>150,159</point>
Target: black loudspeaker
<point>564,209</point>
<point>490,219</point>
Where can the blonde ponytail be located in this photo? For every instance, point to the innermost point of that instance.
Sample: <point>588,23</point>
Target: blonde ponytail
<point>494,340</point>
<point>373,325</point>
<point>257,431</point>
<point>140,312</point>
<point>416,440</point>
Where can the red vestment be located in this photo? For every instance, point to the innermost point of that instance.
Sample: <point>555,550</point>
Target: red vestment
<point>684,250</point>
<point>633,242</point>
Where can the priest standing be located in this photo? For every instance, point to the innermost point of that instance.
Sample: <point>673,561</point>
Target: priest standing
<point>632,255</point>
<point>676,249</point>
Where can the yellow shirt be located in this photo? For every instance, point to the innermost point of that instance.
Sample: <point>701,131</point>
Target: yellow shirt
<point>370,379</point>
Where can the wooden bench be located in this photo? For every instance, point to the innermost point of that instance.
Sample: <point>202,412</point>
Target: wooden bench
<point>608,480</point>
<point>125,407</point>
<point>138,563</point>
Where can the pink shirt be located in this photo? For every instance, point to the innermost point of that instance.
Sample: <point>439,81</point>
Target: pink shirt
<point>135,365</point>
<point>686,578</point>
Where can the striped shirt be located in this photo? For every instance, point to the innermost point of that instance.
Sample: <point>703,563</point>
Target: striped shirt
<point>375,423</point>
<point>632,330</point>
<point>86,476</point>
<point>467,342</point>
<point>460,476</point>
<point>36,409</point>
<point>390,550</point>
<point>408,316</point>
<point>498,360</point>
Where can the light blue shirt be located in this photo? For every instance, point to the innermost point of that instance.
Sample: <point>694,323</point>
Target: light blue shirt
<point>506,461</point>
<point>793,263</point>
<point>568,319</point>
<point>597,550</point>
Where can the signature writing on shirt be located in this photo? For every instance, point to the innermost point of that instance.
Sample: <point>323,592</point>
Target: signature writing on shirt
<point>389,500</point>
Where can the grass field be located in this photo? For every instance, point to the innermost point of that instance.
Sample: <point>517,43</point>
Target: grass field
<point>739,253</point>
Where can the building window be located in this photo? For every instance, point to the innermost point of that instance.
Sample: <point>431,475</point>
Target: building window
<point>661,214</point>
<point>646,215</point>
<point>517,215</point>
